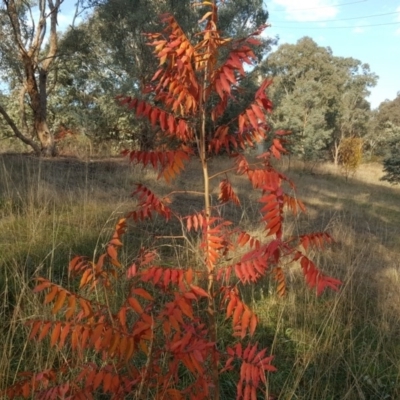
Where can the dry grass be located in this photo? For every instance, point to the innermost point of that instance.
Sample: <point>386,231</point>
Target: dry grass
<point>339,346</point>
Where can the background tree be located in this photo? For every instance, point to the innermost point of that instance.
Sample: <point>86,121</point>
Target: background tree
<point>388,122</point>
<point>391,164</point>
<point>385,125</point>
<point>318,96</point>
<point>28,48</point>
<point>351,109</point>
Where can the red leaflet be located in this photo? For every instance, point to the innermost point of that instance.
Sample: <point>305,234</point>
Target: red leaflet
<point>226,194</point>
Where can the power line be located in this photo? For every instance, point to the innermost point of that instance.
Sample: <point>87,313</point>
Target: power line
<point>316,8</point>
<point>343,19</point>
<point>335,27</point>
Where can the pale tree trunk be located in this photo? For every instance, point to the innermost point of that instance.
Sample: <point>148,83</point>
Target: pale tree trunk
<point>36,67</point>
<point>335,152</point>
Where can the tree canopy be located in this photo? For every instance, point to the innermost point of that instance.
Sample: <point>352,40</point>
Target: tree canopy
<point>321,98</point>
<point>388,122</point>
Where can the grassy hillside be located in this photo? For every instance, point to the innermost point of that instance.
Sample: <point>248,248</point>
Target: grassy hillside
<point>339,346</point>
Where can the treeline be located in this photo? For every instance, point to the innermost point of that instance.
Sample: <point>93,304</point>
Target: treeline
<point>321,98</point>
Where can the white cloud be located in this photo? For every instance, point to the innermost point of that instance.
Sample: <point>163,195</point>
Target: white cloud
<point>360,26</point>
<point>307,10</point>
<point>358,29</point>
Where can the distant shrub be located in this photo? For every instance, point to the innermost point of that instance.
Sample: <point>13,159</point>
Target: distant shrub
<point>350,155</point>
<point>391,164</point>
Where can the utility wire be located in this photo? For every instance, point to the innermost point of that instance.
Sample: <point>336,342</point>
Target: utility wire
<point>342,19</point>
<point>335,27</point>
<point>331,5</point>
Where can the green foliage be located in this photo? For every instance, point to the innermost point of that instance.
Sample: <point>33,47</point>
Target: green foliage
<point>385,125</point>
<point>391,164</point>
<point>319,96</point>
<point>389,111</point>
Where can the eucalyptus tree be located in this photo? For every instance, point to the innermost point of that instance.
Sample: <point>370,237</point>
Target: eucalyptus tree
<point>318,96</point>
<point>353,111</point>
<point>28,50</point>
<point>385,127</point>
<point>391,164</point>
<point>388,124</point>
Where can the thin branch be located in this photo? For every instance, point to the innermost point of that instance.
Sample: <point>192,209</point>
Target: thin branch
<point>232,169</point>
<point>17,132</point>
<point>222,173</point>
<point>77,13</point>
<point>185,192</point>
<point>11,11</point>
<point>33,26</point>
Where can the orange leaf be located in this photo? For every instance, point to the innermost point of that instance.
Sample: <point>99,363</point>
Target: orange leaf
<point>114,343</point>
<point>35,328</point>
<point>87,311</point>
<point>189,276</point>
<point>230,307</point>
<point>246,319</point>
<point>26,390</point>
<point>75,337</point>
<point>44,331</point>
<point>143,293</point>
<point>42,286</point>
<point>96,333</point>
<point>55,335</point>
<point>129,349</point>
<point>252,118</point>
<point>112,252</point>
<point>237,313</point>
<point>50,296</point>
<point>135,305</point>
<point>60,301</point>
<point>225,84</point>
<point>122,317</point>
<point>107,382</point>
<point>86,277</point>
<point>257,111</point>
<point>107,338</point>
<point>71,307</point>
<point>98,379</point>
<point>199,291</point>
<point>185,307</point>
<point>64,334</point>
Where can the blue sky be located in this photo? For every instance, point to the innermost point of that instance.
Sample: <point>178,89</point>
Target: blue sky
<point>368,30</point>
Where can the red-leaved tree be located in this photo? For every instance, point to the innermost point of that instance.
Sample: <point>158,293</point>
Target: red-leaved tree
<point>159,340</point>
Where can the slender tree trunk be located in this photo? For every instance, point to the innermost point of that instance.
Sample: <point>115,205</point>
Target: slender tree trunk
<point>38,104</point>
<point>209,265</point>
<point>36,68</point>
<point>336,150</point>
